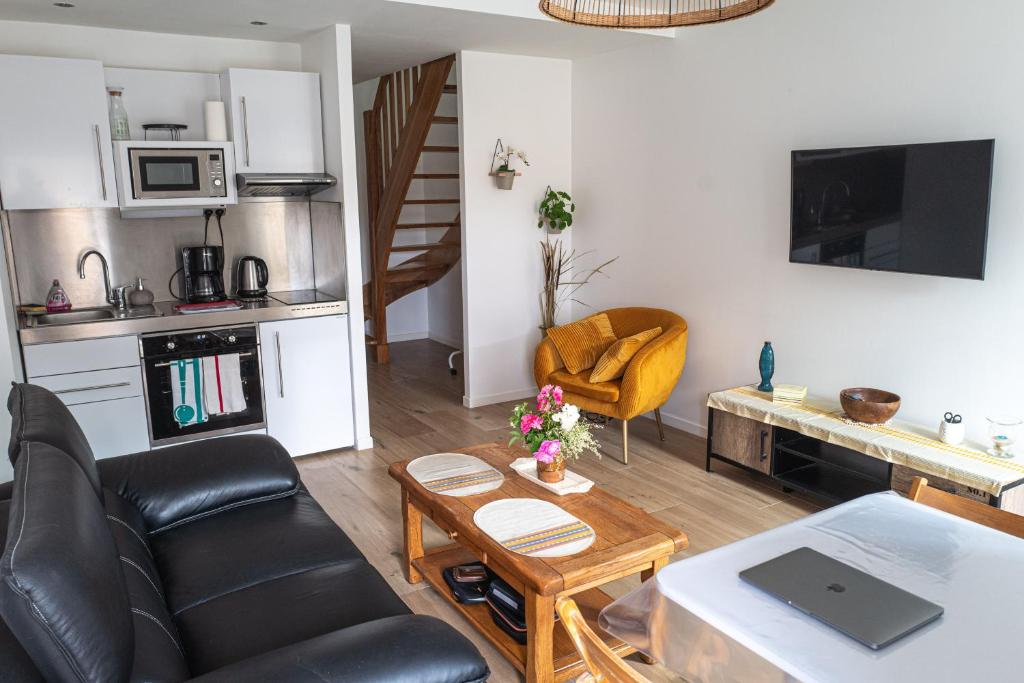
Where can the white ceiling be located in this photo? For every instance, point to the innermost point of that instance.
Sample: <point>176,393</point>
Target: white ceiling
<point>386,34</point>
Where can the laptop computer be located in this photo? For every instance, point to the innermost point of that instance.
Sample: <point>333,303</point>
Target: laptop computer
<point>857,604</point>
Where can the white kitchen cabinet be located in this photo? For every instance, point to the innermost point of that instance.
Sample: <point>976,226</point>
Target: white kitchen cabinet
<point>115,427</point>
<point>308,383</point>
<point>55,147</point>
<point>275,120</point>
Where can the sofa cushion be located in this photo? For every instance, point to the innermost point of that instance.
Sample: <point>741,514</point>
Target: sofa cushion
<point>284,611</point>
<point>158,652</point>
<point>38,415</point>
<point>612,365</point>
<point>581,343</point>
<point>238,548</point>
<point>580,383</point>
<point>62,591</point>
<point>16,664</point>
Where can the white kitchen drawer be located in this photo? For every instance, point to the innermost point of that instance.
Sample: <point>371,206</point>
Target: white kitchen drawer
<point>98,385</point>
<point>114,427</point>
<point>81,356</point>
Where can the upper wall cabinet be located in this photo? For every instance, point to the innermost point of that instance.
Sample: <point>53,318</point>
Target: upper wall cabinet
<point>54,134</point>
<point>275,120</point>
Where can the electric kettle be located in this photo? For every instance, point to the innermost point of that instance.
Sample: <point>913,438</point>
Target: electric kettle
<point>252,277</point>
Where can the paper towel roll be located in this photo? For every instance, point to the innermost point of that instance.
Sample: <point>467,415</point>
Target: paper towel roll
<point>216,125</point>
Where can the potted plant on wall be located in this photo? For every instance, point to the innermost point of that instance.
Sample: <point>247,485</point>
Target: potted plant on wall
<point>556,211</point>
<point>505,174</point>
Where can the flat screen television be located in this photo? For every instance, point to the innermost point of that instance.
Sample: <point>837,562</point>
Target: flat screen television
<point>902,208</point>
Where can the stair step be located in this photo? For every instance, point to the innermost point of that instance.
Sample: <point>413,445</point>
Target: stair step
<point>414,273</point>
<point>445,119</point>
<point>451,89</point>
<point>418,226</point>
<point>424,247</point>
<point>435,176</point>
<point>440,148</point>
<point>431,201</point>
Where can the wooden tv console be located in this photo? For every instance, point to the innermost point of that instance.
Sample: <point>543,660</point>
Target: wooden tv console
<point>802,461</point>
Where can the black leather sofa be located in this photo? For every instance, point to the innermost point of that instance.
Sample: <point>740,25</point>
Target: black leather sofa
<point>207,561</point>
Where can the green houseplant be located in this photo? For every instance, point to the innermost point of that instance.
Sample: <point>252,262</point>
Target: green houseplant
<point>556,211</point>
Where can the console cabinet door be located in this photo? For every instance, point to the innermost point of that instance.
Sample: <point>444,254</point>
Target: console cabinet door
<point>55,147</point>
<point>275,120</point>
<point>307,383</point>
<point>742,440</point>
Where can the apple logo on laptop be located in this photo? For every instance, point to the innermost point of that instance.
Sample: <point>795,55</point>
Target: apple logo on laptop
<point>836,588</point>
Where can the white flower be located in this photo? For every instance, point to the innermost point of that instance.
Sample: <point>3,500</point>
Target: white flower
<point>567,417</point>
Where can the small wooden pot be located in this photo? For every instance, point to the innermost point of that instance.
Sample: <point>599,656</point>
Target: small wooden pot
<point>551,472</point>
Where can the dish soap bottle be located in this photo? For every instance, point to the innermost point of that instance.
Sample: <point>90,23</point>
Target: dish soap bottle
<point>140,296</point>
<point>57,299</point>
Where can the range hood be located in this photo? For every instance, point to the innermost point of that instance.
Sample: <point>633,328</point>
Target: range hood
<point>282,184</point>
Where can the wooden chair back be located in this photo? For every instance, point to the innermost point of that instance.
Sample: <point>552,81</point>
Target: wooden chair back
<point>985,515</point>
<point>601,662</point>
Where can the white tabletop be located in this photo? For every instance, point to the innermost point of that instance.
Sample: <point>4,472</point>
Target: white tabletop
<point>701,620</point>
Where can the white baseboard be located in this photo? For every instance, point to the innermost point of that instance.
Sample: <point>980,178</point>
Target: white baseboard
<point>685,425</point>
<point>490,399</point>
<point>454,343</point>
<point>406,336</point>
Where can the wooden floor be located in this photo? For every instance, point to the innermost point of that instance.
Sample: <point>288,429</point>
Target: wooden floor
<point>416,408</point>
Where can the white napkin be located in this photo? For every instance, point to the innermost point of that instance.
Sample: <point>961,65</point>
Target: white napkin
<point>222,384</point>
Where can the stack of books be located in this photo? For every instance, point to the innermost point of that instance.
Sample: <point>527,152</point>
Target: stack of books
<point>789,394</point>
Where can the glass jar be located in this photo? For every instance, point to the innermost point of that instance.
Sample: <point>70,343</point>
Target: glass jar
<point>1003,430</point>
<point>119,129</point>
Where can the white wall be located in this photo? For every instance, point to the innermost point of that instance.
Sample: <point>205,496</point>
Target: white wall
<point>329,52</point>
<point>681,160</point>
<point>526,102</point>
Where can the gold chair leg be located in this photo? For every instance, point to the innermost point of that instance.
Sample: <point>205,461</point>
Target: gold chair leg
<point>657,418</point>
<point>625,442</point>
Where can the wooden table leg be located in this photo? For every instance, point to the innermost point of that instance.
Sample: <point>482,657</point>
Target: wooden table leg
<point>412,520</point>
<point>540,624</point>
<point>656,566</point>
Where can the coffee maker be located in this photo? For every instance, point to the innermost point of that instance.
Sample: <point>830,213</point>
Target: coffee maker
<point>203,270</point>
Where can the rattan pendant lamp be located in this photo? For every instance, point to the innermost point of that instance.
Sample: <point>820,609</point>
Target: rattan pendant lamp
<point>649,13</point>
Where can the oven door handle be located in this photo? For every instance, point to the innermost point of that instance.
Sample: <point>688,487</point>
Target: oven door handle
<point>280,367</point>
<point>169,363</point>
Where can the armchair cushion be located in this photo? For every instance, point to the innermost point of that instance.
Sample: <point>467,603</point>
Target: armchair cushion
<point>580,383</point>
<point>612,364</point>
<point>581,343</point>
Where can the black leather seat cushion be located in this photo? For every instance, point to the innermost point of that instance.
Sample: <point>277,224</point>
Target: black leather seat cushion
<point>284,611</point>
<point>238,548</point>
<point>15,664</point>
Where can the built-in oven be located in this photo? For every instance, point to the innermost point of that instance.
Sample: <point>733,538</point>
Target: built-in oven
<point>156,174</point>
<point>187,377</point>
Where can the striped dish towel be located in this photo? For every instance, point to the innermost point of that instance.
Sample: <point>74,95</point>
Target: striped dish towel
<point>462,481</point>
<point>549,538</point>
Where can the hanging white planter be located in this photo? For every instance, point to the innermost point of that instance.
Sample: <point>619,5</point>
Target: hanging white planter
<point>504,176</point>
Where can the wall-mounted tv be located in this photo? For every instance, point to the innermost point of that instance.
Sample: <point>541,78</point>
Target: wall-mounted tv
<point>903,208</point>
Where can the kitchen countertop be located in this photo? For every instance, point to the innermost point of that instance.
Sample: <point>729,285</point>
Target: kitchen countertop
<point>277,306</point>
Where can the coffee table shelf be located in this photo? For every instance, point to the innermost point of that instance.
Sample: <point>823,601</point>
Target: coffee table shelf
<point>567,662</point>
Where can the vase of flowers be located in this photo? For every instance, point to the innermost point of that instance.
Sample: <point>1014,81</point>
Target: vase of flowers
<point>506,174</point>
<point>553,432</point>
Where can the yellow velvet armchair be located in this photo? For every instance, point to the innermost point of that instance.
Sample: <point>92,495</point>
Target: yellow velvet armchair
<point>650,377</point>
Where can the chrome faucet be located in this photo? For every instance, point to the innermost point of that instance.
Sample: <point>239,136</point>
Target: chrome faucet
<point>115,297</point>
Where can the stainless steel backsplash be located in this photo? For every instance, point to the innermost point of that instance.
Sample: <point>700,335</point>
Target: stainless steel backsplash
<point>300,253</point>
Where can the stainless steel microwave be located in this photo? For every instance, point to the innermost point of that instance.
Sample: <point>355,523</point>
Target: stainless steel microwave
<point>160,174</point>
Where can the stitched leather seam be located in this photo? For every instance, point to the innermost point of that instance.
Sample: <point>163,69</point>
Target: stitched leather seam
<point>254,584</point>
<point>135,533</point>
<point>223,508</point>
<point>142,571</point>
<point>156,621</point>
<point>18,587</point>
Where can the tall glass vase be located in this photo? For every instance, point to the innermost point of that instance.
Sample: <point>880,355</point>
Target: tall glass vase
<point>767,367</point>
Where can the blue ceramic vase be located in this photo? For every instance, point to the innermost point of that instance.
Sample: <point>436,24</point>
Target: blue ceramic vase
<point>767,367</point>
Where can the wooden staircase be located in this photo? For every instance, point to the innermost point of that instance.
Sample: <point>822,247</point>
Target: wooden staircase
<point>396,128</point>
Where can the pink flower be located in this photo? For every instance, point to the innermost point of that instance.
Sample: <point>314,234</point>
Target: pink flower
<point>556,394</point>
<point>543,405</point>
<point>548,451</point>
<point>529,422</point>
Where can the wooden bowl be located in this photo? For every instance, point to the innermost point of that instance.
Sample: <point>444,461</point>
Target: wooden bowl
<point>872,406</point>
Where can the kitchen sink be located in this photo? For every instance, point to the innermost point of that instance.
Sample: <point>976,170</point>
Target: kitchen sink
<point>89,315</point>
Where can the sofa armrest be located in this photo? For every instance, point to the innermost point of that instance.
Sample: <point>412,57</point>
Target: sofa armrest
<point>178,484</point>
<point>403,649</point>
<point>545,361</point>
<point>653,373</point>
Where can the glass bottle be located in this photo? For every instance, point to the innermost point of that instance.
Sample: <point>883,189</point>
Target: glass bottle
<point>119,129</point>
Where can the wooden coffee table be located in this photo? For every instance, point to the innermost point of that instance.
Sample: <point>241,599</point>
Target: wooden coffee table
<point>628,541</point>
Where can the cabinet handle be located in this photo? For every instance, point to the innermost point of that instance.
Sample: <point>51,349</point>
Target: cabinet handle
<point>95,387</point>
<point>764,453</point>
<point>99,160</point>
<point>280,369</point>
<point>245,129</point>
